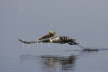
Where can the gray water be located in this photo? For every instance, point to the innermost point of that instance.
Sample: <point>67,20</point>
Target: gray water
<point>47,59</point>
<point>84,20</point>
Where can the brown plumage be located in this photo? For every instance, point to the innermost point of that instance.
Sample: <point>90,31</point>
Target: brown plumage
<point>51,37</point>
<point>48,35</point>
<point>56,39</point>
<point>63,40</point>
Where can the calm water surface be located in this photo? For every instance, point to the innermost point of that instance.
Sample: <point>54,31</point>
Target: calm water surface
<point>54,60</point>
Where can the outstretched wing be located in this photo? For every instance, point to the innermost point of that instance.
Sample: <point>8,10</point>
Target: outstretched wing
<point>27,42</point>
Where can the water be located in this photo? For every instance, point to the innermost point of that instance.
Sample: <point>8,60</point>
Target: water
<point>47,59</point>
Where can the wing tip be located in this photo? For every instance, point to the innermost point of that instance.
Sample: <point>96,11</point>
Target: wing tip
<point>25,42</point>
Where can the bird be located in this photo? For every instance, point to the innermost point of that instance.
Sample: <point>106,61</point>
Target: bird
<point>51,37</point>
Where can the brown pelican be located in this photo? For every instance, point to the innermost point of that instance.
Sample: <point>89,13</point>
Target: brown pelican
<point>51,37</point>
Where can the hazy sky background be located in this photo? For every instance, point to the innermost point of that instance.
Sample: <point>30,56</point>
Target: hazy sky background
<point>82,19</point>
<point>85,20</point>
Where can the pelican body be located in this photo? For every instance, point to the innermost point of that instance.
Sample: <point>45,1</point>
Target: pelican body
<point>51,37</point>
<point>59,39</point>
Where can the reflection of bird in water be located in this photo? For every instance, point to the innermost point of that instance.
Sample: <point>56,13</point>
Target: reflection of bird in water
<point>66,63</point>
<point>50,62</point>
